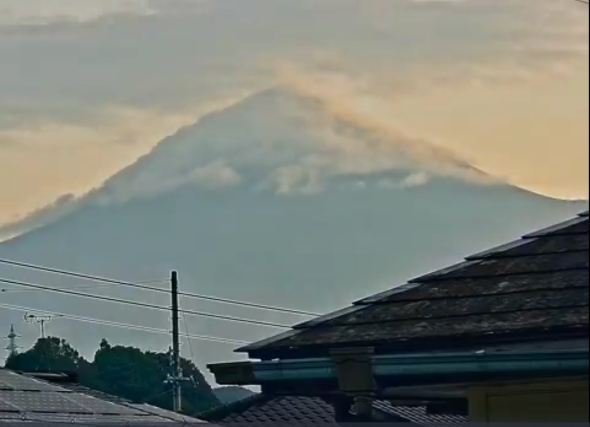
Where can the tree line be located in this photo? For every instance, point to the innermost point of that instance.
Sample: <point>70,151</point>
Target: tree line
<point>126,372</point>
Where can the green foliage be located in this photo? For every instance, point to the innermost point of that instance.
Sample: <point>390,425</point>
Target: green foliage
<point>48,354</point>
<point>126,372</point>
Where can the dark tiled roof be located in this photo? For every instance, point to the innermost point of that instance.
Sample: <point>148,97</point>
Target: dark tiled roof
<point>262,409</point>
<point>305,410</point>
<point>419,414</point>
<point>143,407</point>
<point>537,285</point>
<point>26,399</point>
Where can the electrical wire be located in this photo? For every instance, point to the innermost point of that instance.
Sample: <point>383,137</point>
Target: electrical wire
<point>19,290</point>
<point>152,288</point>
<point>190,346</point>
<point>119,324</point>
<point>186,330</point>
<point>142,304</point>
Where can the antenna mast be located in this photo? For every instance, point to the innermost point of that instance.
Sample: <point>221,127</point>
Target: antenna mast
<point>12,345</point>
<point>41,320</point>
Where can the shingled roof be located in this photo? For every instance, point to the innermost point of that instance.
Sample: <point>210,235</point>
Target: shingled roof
<point>35,402</point>
<point>306,411</point>
<point>144,407</point>
<point>532,289</point>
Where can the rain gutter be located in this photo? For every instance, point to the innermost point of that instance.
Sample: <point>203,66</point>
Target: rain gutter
<point>571,361</point>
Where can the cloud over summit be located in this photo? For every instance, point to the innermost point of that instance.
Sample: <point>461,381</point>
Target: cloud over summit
<point>282,141</point>
<point>465,76</point>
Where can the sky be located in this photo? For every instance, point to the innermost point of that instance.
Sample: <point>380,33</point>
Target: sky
<point>88,86</point>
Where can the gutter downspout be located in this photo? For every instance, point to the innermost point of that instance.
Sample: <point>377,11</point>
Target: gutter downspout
<point>354,371</point>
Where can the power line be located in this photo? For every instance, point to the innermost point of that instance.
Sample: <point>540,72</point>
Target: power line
<point>152,288</point>
<point>18,290</point>
<point>120,325</point>
<point>102,285</point>
<point>187,332</point>
<point>190,345</point>
<point>142,304</point>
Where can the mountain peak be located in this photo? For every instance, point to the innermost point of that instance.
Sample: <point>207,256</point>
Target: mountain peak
<point>211,202</point>
<point>277,140</point>
<point>273,141</point>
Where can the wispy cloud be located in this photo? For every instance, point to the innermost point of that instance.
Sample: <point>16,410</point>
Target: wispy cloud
<point>487,80</point>
<point>44,12</point>
<point>61,206</point>
<point>41,157</point>
<point>214,175</point>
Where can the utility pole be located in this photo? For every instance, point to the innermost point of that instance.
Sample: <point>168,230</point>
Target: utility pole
<point>175,377</point>
<point>176,371</point>
<point>41,320</point>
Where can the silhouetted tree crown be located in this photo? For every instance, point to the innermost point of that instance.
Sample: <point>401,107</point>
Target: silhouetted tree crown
<point>127,372</point>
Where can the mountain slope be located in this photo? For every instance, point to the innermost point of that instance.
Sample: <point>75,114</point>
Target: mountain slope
<point>232,394</point>
<point>269,201</point>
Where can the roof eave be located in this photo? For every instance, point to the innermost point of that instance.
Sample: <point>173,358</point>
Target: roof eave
<point>271,349</point>
<point>260,373</point>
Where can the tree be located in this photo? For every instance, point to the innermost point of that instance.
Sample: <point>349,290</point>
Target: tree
<point>197,394</point>
<point>141,376</point>
<point>127,372</point>
<point>48,354</point>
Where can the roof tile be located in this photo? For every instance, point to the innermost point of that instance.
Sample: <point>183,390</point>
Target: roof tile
<point>474,305</point>
<point>25,399</point>
<point>451,327</point>
<point>545,263</point>
<point>467,287</point>
<point>544,245</point>
<point>539,283</point>
<point>306,410</point>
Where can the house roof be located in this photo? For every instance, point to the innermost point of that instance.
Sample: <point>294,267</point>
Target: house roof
<point>31,400</point>
<point>535,287</point>
<point>306,410</point>
<point>144,407</point>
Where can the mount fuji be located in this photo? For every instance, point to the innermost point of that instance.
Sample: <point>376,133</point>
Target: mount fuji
<point>272,200</point>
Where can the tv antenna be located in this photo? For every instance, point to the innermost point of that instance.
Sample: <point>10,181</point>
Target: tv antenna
<point>41,320</point>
